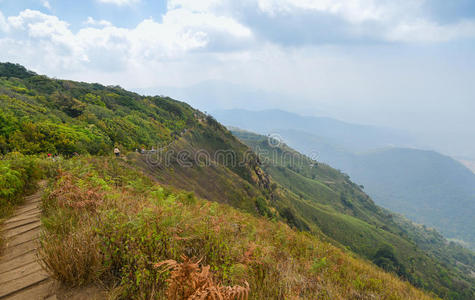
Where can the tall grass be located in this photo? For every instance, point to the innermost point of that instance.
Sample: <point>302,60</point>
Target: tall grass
<point>101,229</point>
<point>18,177</point>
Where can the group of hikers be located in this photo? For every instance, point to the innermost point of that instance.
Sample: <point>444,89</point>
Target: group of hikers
<point>142,151</point>
<point>54,157</point>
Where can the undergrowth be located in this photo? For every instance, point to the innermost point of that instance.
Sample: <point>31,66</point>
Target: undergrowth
<point>106,222</point>
<point>18,177</point>
<point>190,281</point>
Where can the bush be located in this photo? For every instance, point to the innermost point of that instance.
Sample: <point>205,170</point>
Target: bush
<point>137,228</point>
<point>18,175</point>
<point>80,249</point>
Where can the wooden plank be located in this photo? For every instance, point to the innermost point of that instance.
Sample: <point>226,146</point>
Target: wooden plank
<point>40,291</point>
<point>21,230</point>
<point>21,275</point>
<point>20,249</point>
<point>17,262</point>
<point>29,210</point>
<point>20,272</point>
<point>22,238</point>
<point>22,217</point>
<point>14,286</point>
<point>19,223</point>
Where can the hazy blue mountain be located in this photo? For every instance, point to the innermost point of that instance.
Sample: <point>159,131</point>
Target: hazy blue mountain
<point>220,95</point>
<point>428,187</point>
<point>352,136</point>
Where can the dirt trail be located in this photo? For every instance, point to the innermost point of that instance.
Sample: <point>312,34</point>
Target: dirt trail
<point>21,276</point>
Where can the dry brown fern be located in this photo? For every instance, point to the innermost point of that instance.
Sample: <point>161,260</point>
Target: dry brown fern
<point>68,194</point>
<point>189,281</point>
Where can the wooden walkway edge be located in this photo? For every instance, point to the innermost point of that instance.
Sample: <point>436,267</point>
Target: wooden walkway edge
<point>21,276</point>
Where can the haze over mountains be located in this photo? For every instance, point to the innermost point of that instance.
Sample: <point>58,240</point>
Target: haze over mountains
<point>257,149</point>
<point>427,187</point>
<point>41,115</point>
<point>426,126</point>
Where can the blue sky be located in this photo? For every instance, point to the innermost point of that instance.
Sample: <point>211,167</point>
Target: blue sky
<point>76,12</point>
<point>408,64</point>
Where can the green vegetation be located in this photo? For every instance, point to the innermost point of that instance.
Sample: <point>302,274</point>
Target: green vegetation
<point>322,198</point>
<point>427,187</point>
<point>40,115</point>
<point>112,221</point>
<point>18,176</point>
<point>107,221</point>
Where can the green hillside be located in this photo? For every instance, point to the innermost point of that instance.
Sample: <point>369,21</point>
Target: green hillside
<point>426,186</point>
<point>39,115</point>
<point>107,221</point>
<point>323,196</point>
<point>197,154</point>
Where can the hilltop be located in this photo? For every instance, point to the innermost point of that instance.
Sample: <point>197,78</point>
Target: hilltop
<point>114,203</point>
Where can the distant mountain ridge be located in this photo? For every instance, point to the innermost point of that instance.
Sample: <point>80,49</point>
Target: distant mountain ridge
<point>352,136</point>
<point>426,186</point>
<point>40,115</point>
<point>469,164</point>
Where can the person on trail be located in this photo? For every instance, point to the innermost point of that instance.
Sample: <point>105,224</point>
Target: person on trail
<point>116,152</point>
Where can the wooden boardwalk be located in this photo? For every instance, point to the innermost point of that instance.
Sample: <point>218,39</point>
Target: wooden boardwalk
<point>21,276</point>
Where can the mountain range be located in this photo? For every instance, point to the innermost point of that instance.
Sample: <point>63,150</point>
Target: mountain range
<point>427,187</point>
<point>250,208</point>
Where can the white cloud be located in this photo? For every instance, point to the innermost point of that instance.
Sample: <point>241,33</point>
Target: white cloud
<point>198,40</point>
<point>3,23</point>
<point>424,31</point>
<point>91,21</point>
<point>102,46</point>
<point>386,20</point>
<point>352,10</point>
<point>120,2</point>
<point>46,4</point>
<point>194,5</point>
<point>187,19</point>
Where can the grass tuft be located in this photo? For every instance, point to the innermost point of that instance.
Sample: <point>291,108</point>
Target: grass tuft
<point>135,224</point>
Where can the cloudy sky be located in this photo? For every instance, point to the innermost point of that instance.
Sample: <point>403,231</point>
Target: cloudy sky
<point>407,64</point>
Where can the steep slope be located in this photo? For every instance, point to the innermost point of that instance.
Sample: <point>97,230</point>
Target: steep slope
<point>107,221</point>
<point>426,186</point>
<point>212,163</point>
<point>196,153</point>
<point>39,115</point>
<point>323,196</point>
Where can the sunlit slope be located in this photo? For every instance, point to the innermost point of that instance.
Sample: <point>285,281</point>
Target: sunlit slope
<point>320,195</point>
<point>43,115</point>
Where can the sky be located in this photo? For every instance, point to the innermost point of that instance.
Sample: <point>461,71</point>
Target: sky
<point>407,64</point>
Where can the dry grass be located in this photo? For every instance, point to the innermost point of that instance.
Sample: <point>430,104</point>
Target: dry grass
<point>69,195</point>
<point>189,281</point>
<point>73,259</point>
<point>123,231</point>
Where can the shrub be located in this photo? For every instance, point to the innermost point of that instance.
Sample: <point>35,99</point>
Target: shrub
<point>137,232</point>
<point>190,281</point>
<point>18,175</point>
<point>81,252</point>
